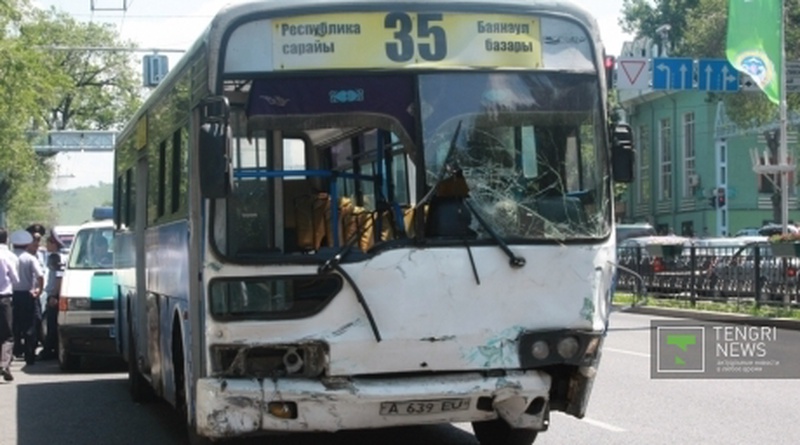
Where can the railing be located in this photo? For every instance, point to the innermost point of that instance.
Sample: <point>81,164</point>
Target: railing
<point>735,273</point>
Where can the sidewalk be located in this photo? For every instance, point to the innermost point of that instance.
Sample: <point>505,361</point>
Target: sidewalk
<point>721,317</point>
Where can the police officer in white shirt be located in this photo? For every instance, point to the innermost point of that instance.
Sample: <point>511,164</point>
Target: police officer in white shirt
<point>8,279</point>
<point>27,309</point>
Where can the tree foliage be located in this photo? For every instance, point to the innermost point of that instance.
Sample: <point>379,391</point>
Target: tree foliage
<point>643,18</point>
<point>22,88</point>
<point>44,89</point>
<point>95,90</point>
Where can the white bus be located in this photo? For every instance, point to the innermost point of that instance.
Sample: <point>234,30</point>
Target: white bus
<point>354,214</point>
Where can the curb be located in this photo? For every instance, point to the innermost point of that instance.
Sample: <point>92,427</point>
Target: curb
<point>721,317</point>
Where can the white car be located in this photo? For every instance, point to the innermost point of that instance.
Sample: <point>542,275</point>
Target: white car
<point>86,304</point>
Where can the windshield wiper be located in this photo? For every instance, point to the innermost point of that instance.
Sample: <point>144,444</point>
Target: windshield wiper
<point>514,260</point>
<point>333,263</point>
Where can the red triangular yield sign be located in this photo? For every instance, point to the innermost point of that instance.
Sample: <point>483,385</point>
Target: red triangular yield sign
<point>632,69</point>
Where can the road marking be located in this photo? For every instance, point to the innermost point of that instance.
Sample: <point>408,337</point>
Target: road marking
<point>623,351</point>
<point>465,426</point>
<point>603,425</point>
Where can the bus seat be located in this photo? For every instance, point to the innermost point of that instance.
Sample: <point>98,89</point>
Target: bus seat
<point>312,218</point>
<point>408,219</point>
<point>353,220</point>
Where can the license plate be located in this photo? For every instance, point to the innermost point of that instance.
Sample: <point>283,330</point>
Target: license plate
<point>422,407</point>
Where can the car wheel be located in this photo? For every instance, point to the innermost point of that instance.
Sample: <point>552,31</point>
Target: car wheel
<point>66,360</point>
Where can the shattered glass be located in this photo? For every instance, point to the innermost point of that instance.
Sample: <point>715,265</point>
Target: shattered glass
<point>529,146</point>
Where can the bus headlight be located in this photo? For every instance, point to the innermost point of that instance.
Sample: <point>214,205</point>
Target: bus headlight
<point>269,361</point>
<point>544,348</point>
<point>540,350</point>
<point>568,347</point>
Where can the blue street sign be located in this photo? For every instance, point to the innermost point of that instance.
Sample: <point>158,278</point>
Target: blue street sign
<point>716,75</point>
<point>672,73</point>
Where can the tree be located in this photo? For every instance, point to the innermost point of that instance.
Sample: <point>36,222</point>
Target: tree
<point>23,87</point>
<point>644,18</point>
<point>45,89</point>
<point>95,90</point>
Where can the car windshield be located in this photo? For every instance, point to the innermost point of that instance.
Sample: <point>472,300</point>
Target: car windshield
<point>91,249</point>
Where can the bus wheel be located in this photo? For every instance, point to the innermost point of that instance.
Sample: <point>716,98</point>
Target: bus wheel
<point>181,398</point>
<point>66,360</point>
<point>498,432</point>
<point>138,386</point>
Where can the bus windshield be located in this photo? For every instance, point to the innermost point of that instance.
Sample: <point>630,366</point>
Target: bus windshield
<point>528,145</point>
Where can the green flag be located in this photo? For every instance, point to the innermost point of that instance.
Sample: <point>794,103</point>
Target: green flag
<point>754,42</point>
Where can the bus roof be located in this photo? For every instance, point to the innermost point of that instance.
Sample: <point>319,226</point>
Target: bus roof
<point>233,14</point>
<point>562,7</point>
<point>246,7</point>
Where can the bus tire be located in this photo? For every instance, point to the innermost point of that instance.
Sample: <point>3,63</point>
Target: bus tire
<point>138,387</point>
<point>498,432</point>
<point>66,360</point>
<point>181,396</point>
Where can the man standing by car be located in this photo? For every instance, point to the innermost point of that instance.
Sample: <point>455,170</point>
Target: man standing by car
<point>8,279</point>
<point>55,270</point>
<point>27,309</point>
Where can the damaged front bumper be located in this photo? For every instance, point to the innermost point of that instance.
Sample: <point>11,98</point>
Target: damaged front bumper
<point>236,407</point>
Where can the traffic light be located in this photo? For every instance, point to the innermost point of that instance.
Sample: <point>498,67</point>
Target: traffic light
<point>609,62</point>
<point>717,200</point>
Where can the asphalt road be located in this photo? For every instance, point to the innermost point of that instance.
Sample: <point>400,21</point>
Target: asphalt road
<point>45,406</point>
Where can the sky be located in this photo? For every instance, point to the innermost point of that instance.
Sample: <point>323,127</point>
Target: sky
<point>176,24</point>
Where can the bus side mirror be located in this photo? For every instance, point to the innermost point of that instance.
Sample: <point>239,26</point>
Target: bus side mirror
<point>215,171</point>
<point>622,153</point>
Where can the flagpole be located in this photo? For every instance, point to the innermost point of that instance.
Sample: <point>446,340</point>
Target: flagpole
<point>783,149</point>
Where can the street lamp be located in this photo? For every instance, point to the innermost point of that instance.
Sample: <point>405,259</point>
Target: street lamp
<point>663,35</point>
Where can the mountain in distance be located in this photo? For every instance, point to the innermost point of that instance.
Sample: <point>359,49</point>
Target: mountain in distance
<point>74,206</point>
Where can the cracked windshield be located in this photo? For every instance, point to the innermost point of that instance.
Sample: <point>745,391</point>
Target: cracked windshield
<point>525,147</point>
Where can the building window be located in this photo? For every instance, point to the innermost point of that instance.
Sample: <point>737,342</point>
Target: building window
<point>690,181</point>
<point>644,164</point>
<point>665,156</point>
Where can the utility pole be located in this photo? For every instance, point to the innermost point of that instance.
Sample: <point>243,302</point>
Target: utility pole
<point>783,151</point>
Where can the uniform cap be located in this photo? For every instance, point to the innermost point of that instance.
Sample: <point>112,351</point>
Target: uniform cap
<point>20,238</point>
<point>37,228</point>
<point>54,236</point>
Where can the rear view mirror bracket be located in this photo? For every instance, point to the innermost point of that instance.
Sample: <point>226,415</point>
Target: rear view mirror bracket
<point>214,148</point>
